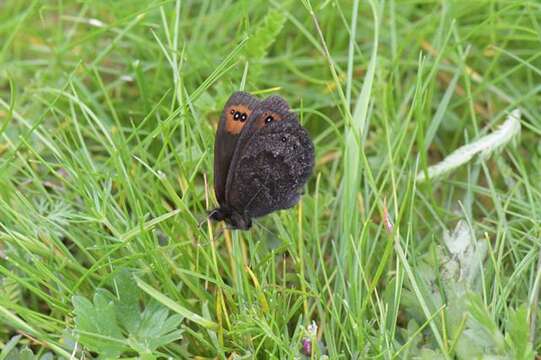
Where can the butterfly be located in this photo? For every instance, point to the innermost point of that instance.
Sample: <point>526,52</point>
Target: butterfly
<point>262,159</point>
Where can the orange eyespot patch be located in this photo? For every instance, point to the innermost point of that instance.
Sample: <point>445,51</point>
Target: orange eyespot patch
<point>235,118</point>
<point>266,118</point>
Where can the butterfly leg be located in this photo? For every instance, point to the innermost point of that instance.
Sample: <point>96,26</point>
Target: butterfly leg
<point>238,221</point>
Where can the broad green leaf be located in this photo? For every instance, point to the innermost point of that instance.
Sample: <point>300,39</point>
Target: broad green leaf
<point>127,305</point>
<point>157,327</point>
<point>114,324</point>
<point>97,325</point>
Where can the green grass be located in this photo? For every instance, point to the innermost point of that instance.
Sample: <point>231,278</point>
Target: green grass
<point>107,117</point>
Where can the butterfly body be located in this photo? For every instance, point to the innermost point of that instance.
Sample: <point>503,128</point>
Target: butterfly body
<point>262,159</point>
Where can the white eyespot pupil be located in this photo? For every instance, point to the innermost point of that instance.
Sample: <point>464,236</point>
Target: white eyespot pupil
<point>268,119</point>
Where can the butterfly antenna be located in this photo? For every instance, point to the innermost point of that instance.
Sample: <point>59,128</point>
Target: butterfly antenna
<point>202,222</point>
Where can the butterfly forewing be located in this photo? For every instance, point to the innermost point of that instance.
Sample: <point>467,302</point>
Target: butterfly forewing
<point>234,117</point>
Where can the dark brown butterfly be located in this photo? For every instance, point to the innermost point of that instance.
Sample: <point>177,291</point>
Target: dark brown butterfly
<point>262,159</point>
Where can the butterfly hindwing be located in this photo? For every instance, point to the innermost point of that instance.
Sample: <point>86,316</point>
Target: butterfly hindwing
<point>271,166</point>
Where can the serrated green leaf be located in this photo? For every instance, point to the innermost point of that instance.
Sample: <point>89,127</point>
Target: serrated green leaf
<point>481,316</point>
<point>100,323</point>
<point>157,328</point>
<point>264,35</point>
<point>127,304</point>
<point>518,334</point>
<point>26,354</point>
<point>473,343</point>
<point>261,39</point>
<point>97,325</point>
<point>153,316</point>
